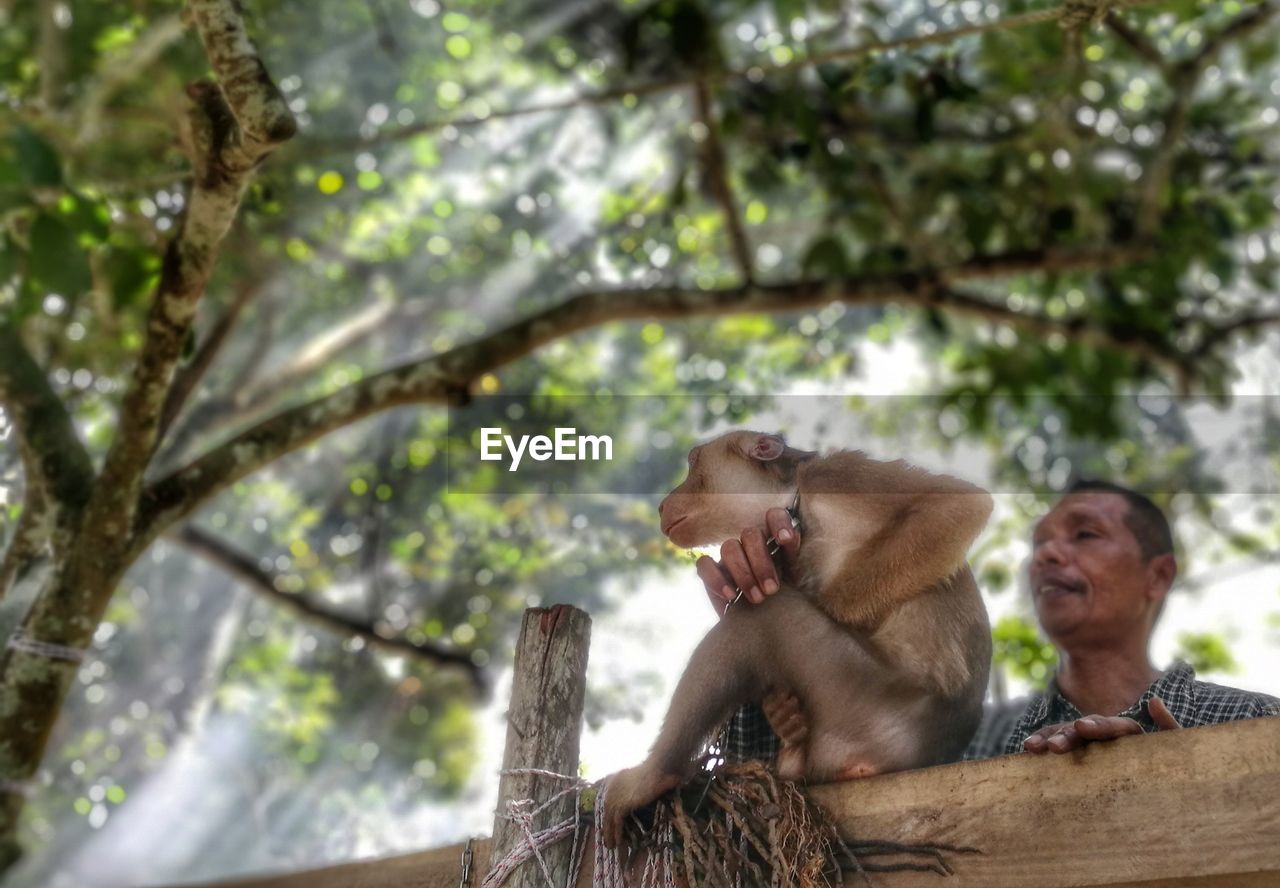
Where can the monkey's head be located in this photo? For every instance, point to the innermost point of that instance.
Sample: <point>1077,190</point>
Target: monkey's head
<point>733,480</point>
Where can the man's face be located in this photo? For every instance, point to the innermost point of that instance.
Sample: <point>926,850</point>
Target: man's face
<point>1089,582</point>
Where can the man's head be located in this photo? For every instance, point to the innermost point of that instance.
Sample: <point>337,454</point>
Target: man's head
<point>1102,562</point>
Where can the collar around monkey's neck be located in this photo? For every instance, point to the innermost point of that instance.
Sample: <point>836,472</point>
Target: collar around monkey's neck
<point>771,545</point>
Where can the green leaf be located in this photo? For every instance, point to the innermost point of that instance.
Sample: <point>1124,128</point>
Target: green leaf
<point>825,258</point>
<point>38,162</point>
<point>86,215</point>
<point>57,262</point>
<point>133,273</point>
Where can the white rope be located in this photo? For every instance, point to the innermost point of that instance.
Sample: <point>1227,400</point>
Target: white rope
<point>524,851</point>
<point>608,870</point>
<point>539,772</point>
<point>22,644</point>
<point>518,810</point>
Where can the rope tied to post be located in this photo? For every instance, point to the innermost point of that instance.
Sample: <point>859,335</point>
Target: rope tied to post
<point>607,869</point>
<point>1077,14</point>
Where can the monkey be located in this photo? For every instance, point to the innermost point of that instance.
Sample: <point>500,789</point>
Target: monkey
<point>878,627</point>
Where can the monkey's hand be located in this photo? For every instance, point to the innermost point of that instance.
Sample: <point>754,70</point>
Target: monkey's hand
<point>629,791</point>
<point>745,563</point>
<point>788,721</point>
<point>1072,735</point>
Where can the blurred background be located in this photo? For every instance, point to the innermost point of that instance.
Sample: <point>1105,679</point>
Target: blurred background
<point>1024,254</point>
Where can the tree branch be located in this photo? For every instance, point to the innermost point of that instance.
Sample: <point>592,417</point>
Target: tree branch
<point>715,169</point>
<point>190,375</point>
<point>1136,40</point>
<point>1238,29</point>
<point>29,538</point>
<point>55,460</point>
<point>447,377</point>
<point>1183,80</point>
<point>314,354</point>
<point>1156,175</point>
<point>247,400</point>
<point>230,129</point>
<point>921,246</point>
<point>1078,327</point>
<point>1240,324</point>
<point>757,69</point>
<point>245,567</point>
<point>53,55</point>
<point>321,147</point>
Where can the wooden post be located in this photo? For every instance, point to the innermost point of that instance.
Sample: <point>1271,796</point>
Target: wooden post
<point>544,726</point>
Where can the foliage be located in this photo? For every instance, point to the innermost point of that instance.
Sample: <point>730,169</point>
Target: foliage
<point>1022,651</point>
<point>1206,652</point>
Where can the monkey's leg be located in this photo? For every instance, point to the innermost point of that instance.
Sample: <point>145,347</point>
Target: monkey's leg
<point>859,716</point>
<point>729,667</point>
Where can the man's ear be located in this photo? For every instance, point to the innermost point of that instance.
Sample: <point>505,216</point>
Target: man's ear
<point>1161,572</point>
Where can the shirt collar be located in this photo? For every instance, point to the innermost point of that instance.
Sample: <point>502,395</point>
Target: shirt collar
<point>1176,688</point>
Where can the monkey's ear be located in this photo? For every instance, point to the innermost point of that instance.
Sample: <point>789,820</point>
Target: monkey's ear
<point>767,448</point>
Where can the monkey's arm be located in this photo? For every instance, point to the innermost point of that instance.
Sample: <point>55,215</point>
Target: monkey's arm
<point>916,529</point>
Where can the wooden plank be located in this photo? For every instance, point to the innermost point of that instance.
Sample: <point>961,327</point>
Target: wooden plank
<point>437,868</point>
<point>544,726</point>
<point>1194,808</point>
<point>1197,807</point>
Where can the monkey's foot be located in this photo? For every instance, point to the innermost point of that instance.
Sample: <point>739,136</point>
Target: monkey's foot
<point>791,763</point>
<point>628,791</point>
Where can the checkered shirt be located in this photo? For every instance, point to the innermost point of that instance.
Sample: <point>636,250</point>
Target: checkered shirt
<point>1193,703</point>
<point>747,735</point>
<point>997,724</point>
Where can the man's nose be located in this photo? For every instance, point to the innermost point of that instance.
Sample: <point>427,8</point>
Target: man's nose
<point>1048,552</point>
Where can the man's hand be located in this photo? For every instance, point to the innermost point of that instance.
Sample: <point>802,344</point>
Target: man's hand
<point>745,563</point>
<point>1073,735</point>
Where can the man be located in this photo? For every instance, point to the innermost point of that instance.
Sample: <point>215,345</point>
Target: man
<point>1102,564</point>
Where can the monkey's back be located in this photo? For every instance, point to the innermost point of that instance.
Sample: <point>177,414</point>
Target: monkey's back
<point>884,556</point>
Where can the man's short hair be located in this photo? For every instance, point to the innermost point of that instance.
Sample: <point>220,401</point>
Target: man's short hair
<point>1144,519</point>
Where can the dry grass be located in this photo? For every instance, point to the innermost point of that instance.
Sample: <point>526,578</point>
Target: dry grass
<point>739,825</point>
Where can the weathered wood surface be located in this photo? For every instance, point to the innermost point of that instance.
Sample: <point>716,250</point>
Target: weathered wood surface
<point>437,868</point>
<point>1196,807</point>
<point>544,727</point>
<point>1185,809</point>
